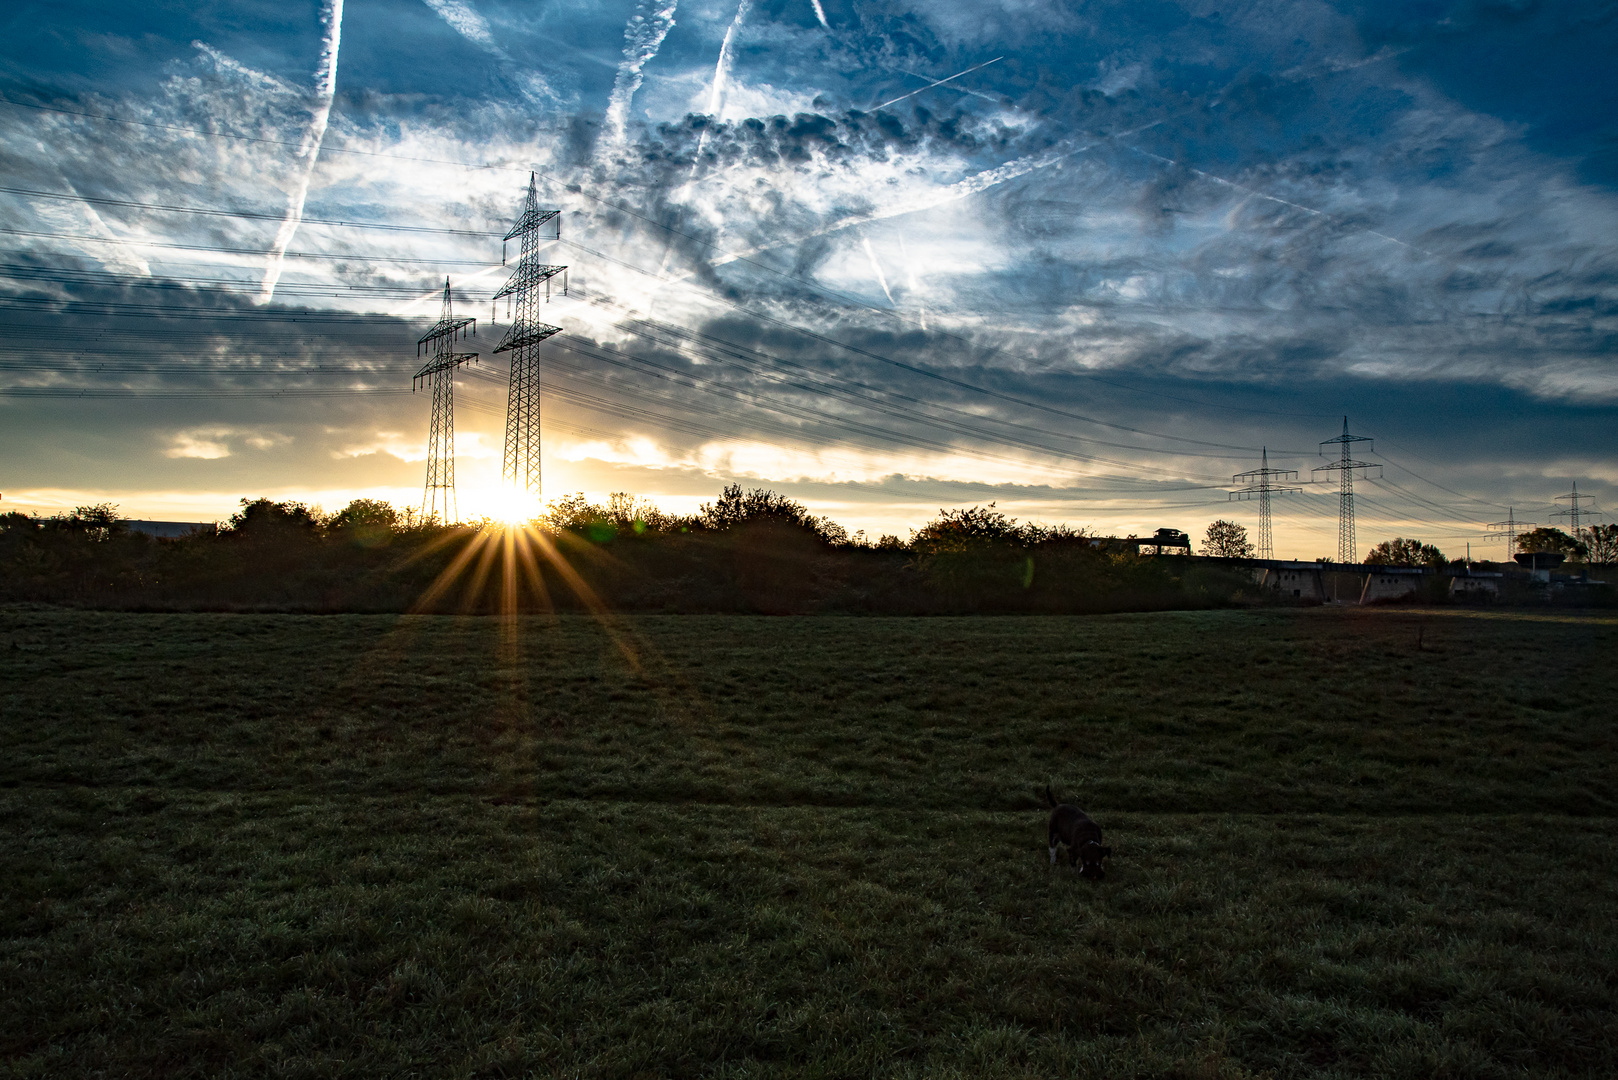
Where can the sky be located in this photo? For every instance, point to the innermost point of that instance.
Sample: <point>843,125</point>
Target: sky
<point>1086,261</point>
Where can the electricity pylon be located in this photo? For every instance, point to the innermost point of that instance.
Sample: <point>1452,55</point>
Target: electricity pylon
<point>1260,484</point>
<point>520,470</point>
<point>1574,512</point>
<point>439,342</point>
<point>1512,528</point>
<point>1345,467</point>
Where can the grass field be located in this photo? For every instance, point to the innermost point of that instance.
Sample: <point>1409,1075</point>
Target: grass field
<point>1361,843</point>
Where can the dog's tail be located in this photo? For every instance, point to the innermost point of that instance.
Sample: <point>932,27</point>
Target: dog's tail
<point>1050,800</point>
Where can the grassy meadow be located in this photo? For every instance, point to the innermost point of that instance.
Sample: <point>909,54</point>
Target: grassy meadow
<point>1364,843</point>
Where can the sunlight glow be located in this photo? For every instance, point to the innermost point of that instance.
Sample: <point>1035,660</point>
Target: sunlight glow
<point>499,503</point>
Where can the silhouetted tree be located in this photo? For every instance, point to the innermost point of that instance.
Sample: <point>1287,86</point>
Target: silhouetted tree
<point>759,506</point>
<point>1227,540</point>
<point>99,522</point>
<point>961,530</point>
<point>1403,552</point>
<point>366,522</point>
<point>1601,542</point>
<point>264,520</point>
<point>1551,540</point>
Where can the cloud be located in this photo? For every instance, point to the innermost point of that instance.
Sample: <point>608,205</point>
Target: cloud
<point>213,443</point>
<point>204,444</point>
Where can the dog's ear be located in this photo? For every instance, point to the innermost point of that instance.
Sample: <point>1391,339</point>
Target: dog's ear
<point>1106,853</point>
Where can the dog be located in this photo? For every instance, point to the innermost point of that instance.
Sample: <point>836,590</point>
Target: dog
<point>1073,827</point>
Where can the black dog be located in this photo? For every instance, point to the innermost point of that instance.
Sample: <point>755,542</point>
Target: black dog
<point>1073,827</point>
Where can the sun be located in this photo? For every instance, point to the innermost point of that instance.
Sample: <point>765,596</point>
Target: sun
<point>505,506</point>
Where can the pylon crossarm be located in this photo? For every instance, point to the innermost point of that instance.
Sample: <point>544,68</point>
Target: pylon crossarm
<point>1349,466</point>
<point>532,220</point>
<point>444,328</point>
<point>447,362</point>
<point>520,335</point>
<point>1245,494</point>
<point>527,276</point>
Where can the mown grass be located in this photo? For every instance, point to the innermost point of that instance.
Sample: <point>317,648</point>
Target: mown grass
<point>1348,844</point>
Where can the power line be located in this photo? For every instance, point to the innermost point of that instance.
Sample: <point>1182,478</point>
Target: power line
<point>216,249</point>
<point>253,215</point>
<point>1091,376</point>
<point>324,149</point>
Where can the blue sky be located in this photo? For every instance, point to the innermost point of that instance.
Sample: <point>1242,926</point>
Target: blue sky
<point>1080,259</point>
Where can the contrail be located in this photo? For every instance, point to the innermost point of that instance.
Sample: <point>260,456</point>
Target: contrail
<point>309,148</point>
<point>716,103</point>
<point>1255,193</point>
<point>881,278</point>
<point>721,71</point>
<point>464,19</point>
<point>910,278</point>
<point>961,189</point>
<point>940,82</point>
<point>642,38</point>
<point>820,13</point>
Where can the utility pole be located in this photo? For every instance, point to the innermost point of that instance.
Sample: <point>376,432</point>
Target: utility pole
<point>520,470</point>
<point>1260,483</point>
<point>1512,528</point>
<point>439,344</point>
<point>1345,468</point>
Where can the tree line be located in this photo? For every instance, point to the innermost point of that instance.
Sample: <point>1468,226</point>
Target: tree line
<point>746,551</point>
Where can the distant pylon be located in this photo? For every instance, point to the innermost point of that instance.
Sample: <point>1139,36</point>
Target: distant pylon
<point>1345,468</point>
<point>1512,528</point>
<point>1260,483</point>
<point>439,343</point>
<point>1574,512</point>
<point>520,469</point>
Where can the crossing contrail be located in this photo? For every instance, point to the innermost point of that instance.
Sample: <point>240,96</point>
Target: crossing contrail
<point>308,149</point>
<point>940,82</point>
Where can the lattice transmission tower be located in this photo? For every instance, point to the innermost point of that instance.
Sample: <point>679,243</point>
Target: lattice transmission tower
<point>1512,528</point>
<point>520,470</point>
<point>1574,512</point>
<point>439,344</point>
<point>1260,484</point>
<point>1345,467</point>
